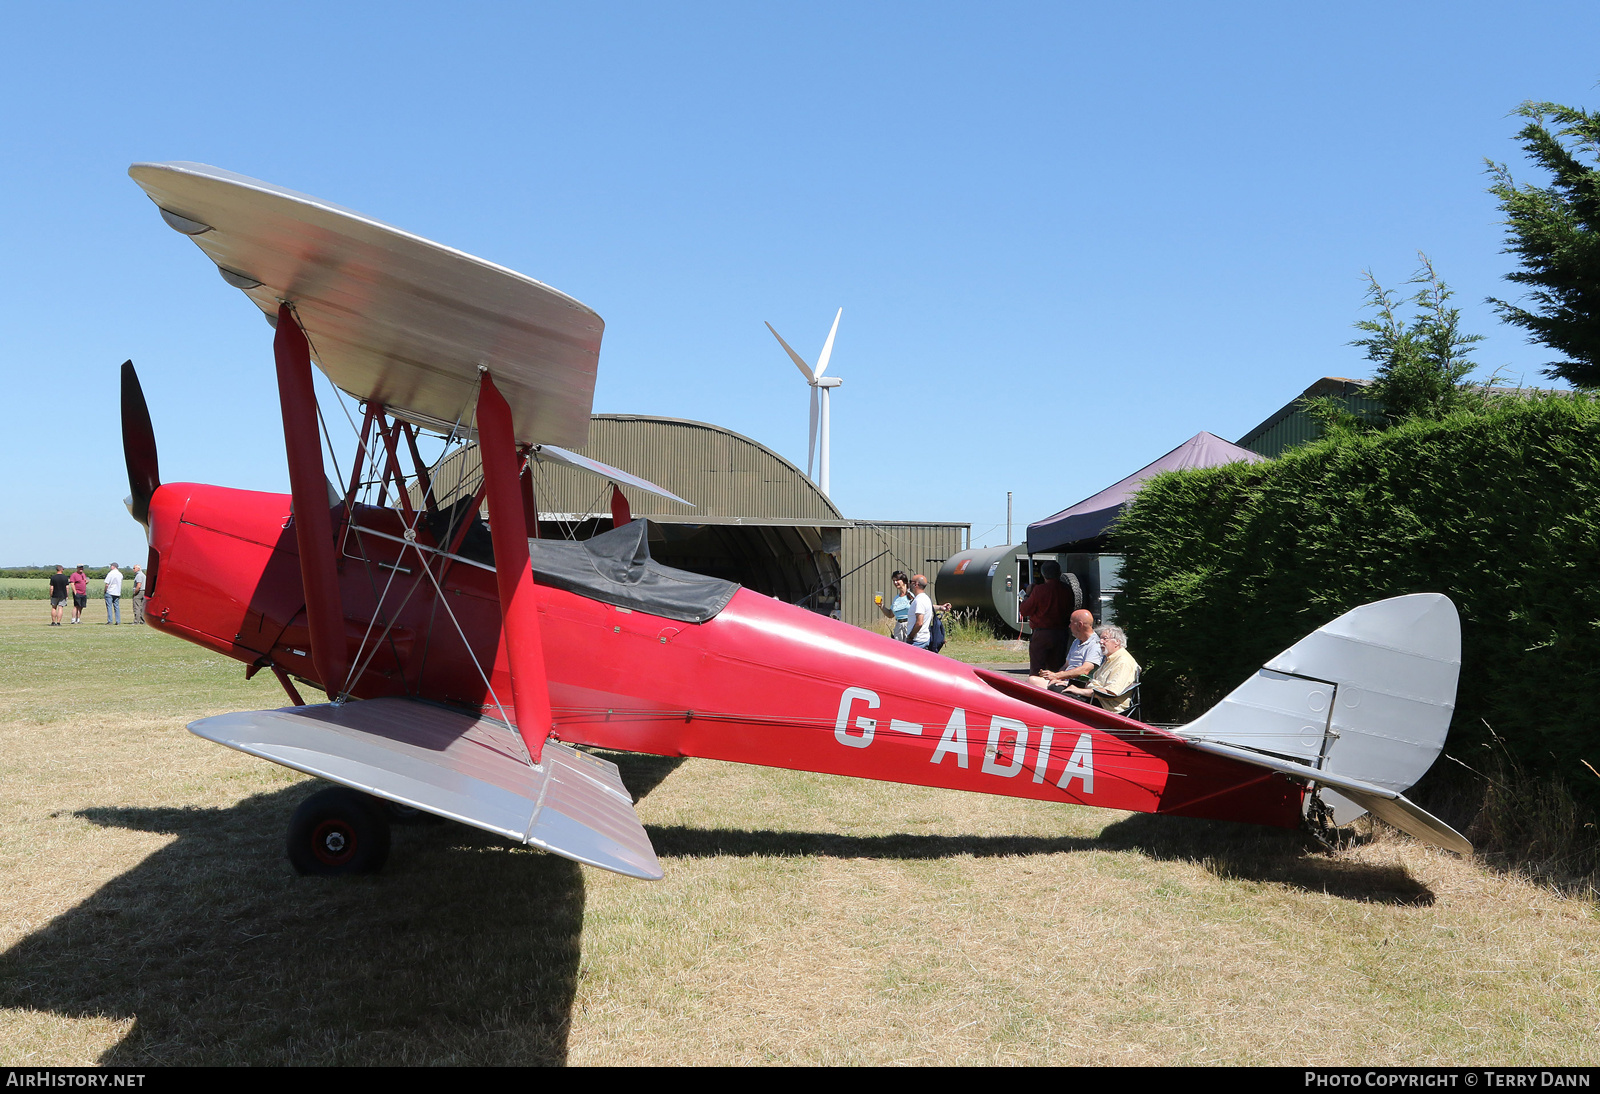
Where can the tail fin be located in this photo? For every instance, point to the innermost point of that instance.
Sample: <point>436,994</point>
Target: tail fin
<point>1361,707</point>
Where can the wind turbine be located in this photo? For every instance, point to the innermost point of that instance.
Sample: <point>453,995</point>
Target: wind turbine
<point>819,403</point>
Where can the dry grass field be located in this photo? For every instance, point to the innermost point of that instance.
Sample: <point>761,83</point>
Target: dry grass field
<point>147,915</point>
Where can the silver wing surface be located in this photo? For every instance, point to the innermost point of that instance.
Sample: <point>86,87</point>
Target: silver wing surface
<point>452,764</point>
<point>1361,706</point>
<point>391,316</point>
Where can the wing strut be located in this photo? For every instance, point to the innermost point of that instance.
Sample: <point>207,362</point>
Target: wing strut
<point>308,485</point>
<point>519,603</point>
<point>530,505</point>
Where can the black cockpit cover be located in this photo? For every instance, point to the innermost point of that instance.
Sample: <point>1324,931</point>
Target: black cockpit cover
<point>616,568</point>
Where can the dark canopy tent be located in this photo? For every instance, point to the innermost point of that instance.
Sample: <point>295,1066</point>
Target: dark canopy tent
<point>1088,521</point>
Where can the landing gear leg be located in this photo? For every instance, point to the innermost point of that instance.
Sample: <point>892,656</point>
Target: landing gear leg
<point>338,831</point>
<point>1318,822</point>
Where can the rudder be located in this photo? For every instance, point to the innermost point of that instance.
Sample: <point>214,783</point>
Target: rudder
<point>1362,704</point>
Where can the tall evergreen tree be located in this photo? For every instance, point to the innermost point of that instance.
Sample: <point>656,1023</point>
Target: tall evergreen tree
<point>1420,365</point>
<point>1555,231</point>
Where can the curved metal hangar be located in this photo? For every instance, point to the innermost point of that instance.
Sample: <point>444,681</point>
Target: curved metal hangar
<point>756,518</point>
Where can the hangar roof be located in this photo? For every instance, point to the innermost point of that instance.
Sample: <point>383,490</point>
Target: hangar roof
<point>730,478</point>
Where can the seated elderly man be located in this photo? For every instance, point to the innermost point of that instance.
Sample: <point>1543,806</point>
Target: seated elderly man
<point>1111,682</point>
<point>1083,656</point>
<point>1115,678</point>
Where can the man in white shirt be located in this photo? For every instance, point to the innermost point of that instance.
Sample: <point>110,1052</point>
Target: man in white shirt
<point>113,596</point>
<point>919,623</point>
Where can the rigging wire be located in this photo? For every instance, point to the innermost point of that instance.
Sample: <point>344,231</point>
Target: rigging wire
<point>327,437</point>
<point>327,434</point>
<point>410,540</point>
<point>458,458</point>
<point>440,599</point>
<point>568,528</point>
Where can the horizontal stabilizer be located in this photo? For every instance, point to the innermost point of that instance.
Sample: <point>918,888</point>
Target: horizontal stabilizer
<point>1391,805</point>
<point>1368,698</point>
<point>455,765</point>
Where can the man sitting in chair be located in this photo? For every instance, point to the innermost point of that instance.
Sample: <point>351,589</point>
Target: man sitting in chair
<point>1112,683</point>
<point>1083,656</point>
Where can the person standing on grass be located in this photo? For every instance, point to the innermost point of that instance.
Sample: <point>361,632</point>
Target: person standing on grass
<point>58,595</point>
<point>920,618</point>
<point>113,596</point>
<point>900,609</point>
<point>138,593</point>
<point>1046,608</point>
<point>80,593</point>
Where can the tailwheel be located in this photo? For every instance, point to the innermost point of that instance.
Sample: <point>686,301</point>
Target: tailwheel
<point>1318,822</point>
<point>338,831</point>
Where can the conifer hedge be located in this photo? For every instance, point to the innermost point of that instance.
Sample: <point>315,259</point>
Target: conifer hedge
<point>1499,509</point>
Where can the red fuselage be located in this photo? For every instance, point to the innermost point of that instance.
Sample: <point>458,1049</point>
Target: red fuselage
<point>762,682</point>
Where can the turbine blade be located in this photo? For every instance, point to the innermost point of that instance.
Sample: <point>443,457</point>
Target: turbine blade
<point>811,446</point>
<point>827,347</point>
<point>799,362</point>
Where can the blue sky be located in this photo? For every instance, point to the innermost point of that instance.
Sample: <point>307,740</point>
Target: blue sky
<point>1066,237</point>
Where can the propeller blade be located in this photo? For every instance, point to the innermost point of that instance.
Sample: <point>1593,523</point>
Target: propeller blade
<point>811,446</point>
<point>827,347</point>
<point>799,363</point>
<point>138,446</point>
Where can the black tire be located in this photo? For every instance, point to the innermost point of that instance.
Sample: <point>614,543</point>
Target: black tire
<point>408,815</point>
<point>1076,588</point>
<point>338,831</point>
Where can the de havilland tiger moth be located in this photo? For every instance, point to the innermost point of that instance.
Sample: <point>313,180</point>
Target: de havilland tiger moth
<point>469,665</point>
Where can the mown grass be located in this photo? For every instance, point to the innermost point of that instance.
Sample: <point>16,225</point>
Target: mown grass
<point>973,641</point>
<point>147,916</point>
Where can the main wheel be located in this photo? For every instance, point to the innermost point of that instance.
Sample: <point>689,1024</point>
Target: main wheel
<point>406,814</point>
<point>338,831</point>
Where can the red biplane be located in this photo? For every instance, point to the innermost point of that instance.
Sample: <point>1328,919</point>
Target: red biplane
<point>467,661</point>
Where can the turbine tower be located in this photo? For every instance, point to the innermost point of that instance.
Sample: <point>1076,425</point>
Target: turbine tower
<point>819,402</point>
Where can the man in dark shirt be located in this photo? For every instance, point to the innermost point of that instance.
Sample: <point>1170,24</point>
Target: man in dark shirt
<point>1046,608</point>
<point>58,595</point>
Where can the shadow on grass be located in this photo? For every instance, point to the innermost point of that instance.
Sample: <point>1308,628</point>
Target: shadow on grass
<point>641,773</point>
<point>465,950</point>
<point>681,842</point>
<point>1235,851</point>
<point>1244,852</point>
<point>1280,856</point>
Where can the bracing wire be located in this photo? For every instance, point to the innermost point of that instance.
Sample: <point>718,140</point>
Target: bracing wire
<point>359,666</point>
<point>568,528</point>
<point>327,437</point>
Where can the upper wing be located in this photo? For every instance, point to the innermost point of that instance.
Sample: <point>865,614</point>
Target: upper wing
<point>572,459</point>
<point>392,316</point>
